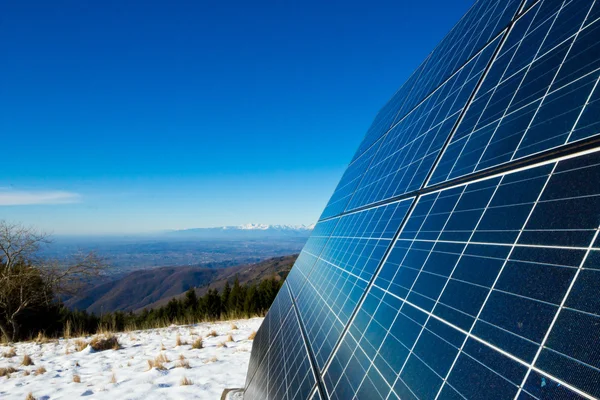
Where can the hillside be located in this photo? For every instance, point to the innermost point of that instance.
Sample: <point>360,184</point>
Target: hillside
<point>65,373</point>
<point>277,267</point>
<point>154,287</point>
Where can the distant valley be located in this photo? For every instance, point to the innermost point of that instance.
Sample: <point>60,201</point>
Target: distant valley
<point>211,248</point>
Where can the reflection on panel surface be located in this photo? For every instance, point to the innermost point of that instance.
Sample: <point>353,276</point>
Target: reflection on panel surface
<point>459,256</point>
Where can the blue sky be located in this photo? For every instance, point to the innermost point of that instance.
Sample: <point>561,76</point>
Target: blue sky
<point>137,116</point>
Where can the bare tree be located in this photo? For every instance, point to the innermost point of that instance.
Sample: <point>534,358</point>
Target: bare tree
<point>29,281</point>
<point>19,243</point>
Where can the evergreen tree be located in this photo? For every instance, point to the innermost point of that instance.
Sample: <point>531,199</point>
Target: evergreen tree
<point>235,297</point>
<point>225,298</point>
<point>190,302</point>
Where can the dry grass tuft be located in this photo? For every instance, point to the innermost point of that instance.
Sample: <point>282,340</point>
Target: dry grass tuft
<point>76,379</point>
<point>252,335</point>
<point>212,333</point>
<point>179,342</point>
<point>197,344</point>
<point>7,371</point>
<point>10,353</point>
<point>30,397</point>
<point>80,344</point>
<point>113,378</point>
<point>233,327</point>
<point>67,350</point>
<point>162,347</point>
<point>26,373</point>
<point>27,361</point>
<point>41,338</point>
<point>40,371</point>
<point>158,362</point>
<point>229,338</point>
<point>162,358</point>
<point>185,382</point>
<point>211,360</point>
<point>183,364</point>
<point>105,342</point>
<point>220,344</point>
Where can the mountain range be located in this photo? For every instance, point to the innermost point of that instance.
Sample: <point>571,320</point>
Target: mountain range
<point>247,231</point>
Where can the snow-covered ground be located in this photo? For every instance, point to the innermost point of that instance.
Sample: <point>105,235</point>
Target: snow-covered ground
<point>124,373</point>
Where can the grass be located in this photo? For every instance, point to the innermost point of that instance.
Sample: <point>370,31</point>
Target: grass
<point>229,338</point>
<point>7,371</point>
<point>76,379</point>
<point>80,344</point>
<point>219,345</point>
<point>183,363</point>
<point>211,360</point>
<point>179,342</point>
<point>104,342</point>
<point>113,378</point>
<point>252,335</point>
<point>27,361</point>
<point>197,344</point>
<point>40,371</point>
<point>30,397</point>
<point>233,327</point>
<point>158,362</point>
<point>41,338</point>
<point>185,382</point>
<point>212,333</point>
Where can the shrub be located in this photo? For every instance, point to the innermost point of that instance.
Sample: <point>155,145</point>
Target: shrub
<point>105,342</point>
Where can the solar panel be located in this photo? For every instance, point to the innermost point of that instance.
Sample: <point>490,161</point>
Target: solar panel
<point>459,257</point>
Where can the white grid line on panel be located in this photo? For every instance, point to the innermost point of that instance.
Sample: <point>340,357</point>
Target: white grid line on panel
<point>360,305</point>
<point>361,301</point>
<point>465,139</point>
<point>411,352</point>
<point>505,33</point>
<point>581,27</point>
<point>587,101</point>
<point>505,113</point>
<point>307,347</point>
<point>496,280</point>
<point>514,245</point>
<point>490,345</point>
<point>556,315</point>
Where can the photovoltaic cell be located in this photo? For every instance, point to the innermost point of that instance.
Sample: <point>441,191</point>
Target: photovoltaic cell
<point>459,256</point>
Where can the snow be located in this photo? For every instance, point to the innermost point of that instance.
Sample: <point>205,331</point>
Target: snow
<point>212,368</point>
